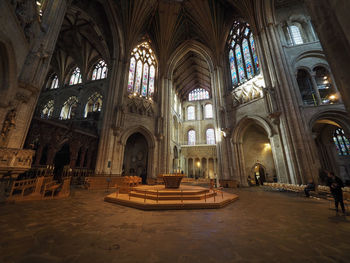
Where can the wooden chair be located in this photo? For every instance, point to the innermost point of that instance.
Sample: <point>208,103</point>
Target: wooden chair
<point>50,187</point>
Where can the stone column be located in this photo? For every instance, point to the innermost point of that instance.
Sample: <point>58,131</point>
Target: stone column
<point>39,153</point>
<point>331,22</point>
<point>315,87</point>
<point>32,73</point>
<point>82,157</point>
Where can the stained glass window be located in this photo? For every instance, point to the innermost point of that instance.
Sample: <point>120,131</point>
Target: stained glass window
<point>255,56</point>
<point>191,137</point>
<point>295,34</point>
<point>47,110</point>
<point>191,113</point>
<point>233,68</point>
<point>341,142</point>
<point>142,71</point>
<point>198,94</point>
<point>145,80</point>
<point>94,104</point>
<point>69,108</point>
<point>54,81</point>
<point>210,136</point>
<point>248,59</point>
<point>240,64</point>
<point>243,59</point>
<point>100,71</point>
<point>131,75</point>
<point>208,111</point>
<point>75,77</point>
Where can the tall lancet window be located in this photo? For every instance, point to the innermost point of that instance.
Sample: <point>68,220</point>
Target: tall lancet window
<point>244,63</point>
<point>142,71</point>
<point>191,137</point>
<point>100,71</point>
<point>75,78</point>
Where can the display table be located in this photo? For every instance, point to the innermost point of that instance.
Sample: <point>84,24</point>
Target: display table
<point>172,180</point>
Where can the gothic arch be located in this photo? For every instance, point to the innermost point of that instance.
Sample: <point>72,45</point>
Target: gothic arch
<point>340,117</point>
<point>8,67</point>
<point>138,129</point>
<point>183,49</point>
<point>244,123</point>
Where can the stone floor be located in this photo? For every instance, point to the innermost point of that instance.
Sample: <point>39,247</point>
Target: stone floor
<point>260,227</point>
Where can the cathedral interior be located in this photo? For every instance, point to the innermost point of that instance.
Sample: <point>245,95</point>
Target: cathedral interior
<point>249,96</point>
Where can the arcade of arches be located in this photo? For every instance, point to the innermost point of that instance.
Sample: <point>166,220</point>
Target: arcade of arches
<point>208,100</point>
<point>250,91</point>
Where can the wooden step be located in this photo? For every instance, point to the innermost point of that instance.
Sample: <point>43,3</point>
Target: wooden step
<point>172,197</point>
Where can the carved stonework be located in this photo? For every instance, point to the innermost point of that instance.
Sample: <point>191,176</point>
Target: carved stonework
<point>27,15</point>
<point>275,117</point>
<point>140,106</point>
<point>15,161</point>
<point>8,125</point>
<point>251,90</point>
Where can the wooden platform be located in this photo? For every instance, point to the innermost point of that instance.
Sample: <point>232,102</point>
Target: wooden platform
<point>159,198</point>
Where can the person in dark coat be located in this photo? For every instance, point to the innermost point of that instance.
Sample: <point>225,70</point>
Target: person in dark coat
<point>309,187</point>
<point>335,184</point>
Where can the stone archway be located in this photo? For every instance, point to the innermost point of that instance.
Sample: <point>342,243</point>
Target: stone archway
<point>136,154</point>
<point>254,142</point>
<point>328,135</point>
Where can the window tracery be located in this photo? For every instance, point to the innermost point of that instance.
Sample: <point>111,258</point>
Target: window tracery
<point>100,70</point>
<point>208,111</point>
<point>198,94</point>
<point>210,135</point>
<point>341,142</point>
<point>47,110</point>
<point>75,77</point>
<point>243,59</point>
<point>142,71</point>
<point>69,108</point>
<point>94,104</point>
<point>191,113</point>
<point>191,137</point>
<point>54,82</point>
<point>295,35</point>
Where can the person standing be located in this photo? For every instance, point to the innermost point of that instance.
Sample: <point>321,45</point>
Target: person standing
<point>335,184</point>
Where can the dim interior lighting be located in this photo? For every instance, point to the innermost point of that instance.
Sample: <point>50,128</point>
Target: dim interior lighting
<point>198,164</point>
<point>332,97</point>
<point>267,146</point>
<point>134,94</point>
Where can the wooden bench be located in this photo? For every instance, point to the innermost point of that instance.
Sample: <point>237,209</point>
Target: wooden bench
<point>22,185</point>
<point>51,186</point>
<point>65,189</point>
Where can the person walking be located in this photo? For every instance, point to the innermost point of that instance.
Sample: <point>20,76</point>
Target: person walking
<point>335,184</point>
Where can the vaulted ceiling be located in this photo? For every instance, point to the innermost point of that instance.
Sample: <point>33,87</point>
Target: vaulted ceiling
<point>191,72</point>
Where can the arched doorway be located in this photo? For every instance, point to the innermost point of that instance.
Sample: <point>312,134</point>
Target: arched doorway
<point>258,174</point>
<point>62,158</point>
<point>333,147</point>
<point>258,160</point>
<point>136,156</point>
